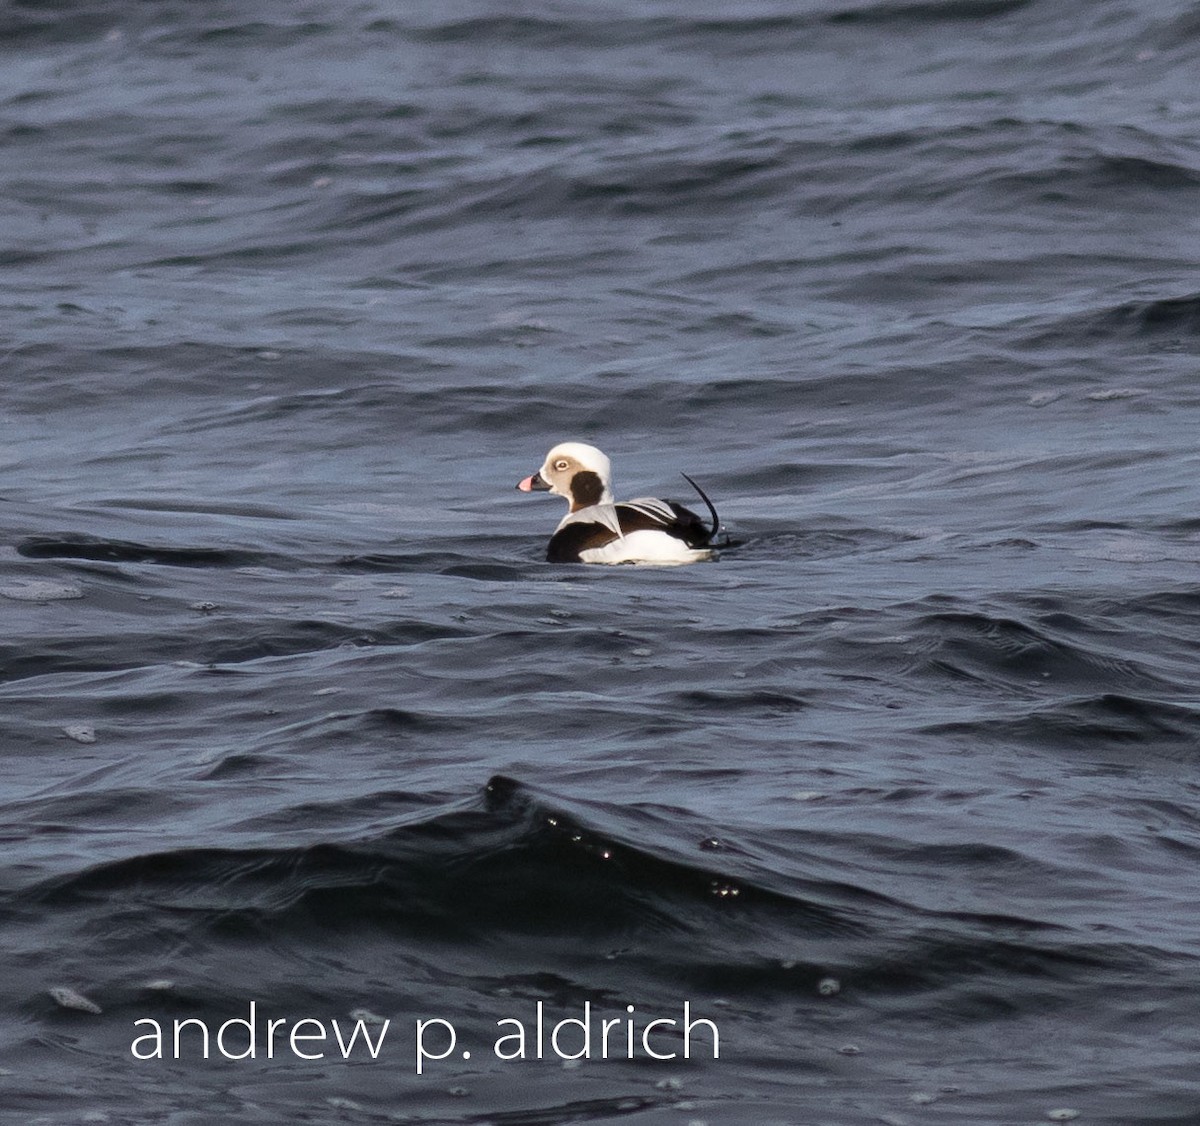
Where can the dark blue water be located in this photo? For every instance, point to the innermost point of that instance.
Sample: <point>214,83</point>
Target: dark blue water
<point>901,793</point>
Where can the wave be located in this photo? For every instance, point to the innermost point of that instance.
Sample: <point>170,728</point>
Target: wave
<point>1175,319</point>
<point>931,12</point>
<point>81,546</point>
<point>518,864</point>
<point>71,545</point>
<point>731,32</point>
<point>511,862</point>
<point>1105,727</point>
<point>212,642</point>
<point>1008,652</point>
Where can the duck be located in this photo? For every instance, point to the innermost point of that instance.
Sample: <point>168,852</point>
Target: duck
<point>597,529</point>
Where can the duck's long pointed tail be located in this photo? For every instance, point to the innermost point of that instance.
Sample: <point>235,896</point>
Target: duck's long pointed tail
<point>716,520</point>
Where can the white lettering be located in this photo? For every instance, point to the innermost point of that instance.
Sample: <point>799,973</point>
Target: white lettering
<point>423,1053</point>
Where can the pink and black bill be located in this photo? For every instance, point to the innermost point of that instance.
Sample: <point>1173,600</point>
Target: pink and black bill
<point>533,484</point>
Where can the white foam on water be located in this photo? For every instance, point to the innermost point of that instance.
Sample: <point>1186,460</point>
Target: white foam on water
<point>40,590</point>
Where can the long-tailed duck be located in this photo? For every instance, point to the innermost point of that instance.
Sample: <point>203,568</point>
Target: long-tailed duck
<point>599,530</point>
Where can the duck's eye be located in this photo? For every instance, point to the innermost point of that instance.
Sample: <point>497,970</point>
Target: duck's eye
<point>562,463</point>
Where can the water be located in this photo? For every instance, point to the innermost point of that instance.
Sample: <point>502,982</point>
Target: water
<point>900,793</point>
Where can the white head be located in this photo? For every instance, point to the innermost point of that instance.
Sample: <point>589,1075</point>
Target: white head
<point>574,470</point>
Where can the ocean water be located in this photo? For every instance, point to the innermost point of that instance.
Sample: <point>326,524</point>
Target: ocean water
<point>901,793</point>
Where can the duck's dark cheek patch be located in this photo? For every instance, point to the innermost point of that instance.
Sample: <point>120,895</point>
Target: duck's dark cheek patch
<point>586,488</point>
